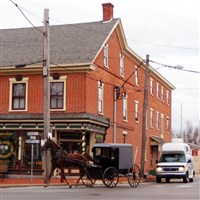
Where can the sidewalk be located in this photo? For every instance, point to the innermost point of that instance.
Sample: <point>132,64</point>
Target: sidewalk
<point>25,181</point>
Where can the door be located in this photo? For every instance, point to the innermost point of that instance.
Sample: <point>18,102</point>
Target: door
<point>154,156</point>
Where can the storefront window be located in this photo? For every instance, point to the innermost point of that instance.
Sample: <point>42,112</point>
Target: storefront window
<point>31,144</point>
<point>8,148</point>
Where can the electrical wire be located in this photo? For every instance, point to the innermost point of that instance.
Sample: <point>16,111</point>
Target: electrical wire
<point>26,17</point>
<point>133,72</point>
<point>133,40</point>
<point>175,67</point>
<point>76,25</point>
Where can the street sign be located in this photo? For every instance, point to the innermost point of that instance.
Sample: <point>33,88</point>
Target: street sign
<point>29,141</point>
<point>32,133</point>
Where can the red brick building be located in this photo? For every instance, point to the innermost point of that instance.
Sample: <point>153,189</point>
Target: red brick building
<point>89,63</point>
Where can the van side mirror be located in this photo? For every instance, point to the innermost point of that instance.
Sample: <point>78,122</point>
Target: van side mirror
<point>189,161</point>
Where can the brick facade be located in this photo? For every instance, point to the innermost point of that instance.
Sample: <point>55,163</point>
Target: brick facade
<point>81,97</point>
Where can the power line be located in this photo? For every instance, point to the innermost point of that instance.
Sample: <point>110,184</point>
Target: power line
<point>133,72</point>
<point>175,67</point>
<point>133,40</point>
<point>26,17</point>
<point>162,45</point>
<point>76,25</point>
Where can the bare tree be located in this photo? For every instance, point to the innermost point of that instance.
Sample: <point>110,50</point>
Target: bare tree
<point>191,134</point>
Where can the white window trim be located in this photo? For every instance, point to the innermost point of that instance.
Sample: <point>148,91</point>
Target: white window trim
<point>105,47</point>
<point>162,93</point>
<point>101,85</point>
<point>64,80</point>
<point>121,64</point>
<point>167,124</point>
<point>125,100</point>
<point>12,81</point>
<point>167,97</point>
<point>157,121</point>
<point>158,90</point>
<point>162,125</point>
<point>151,117</point>
<point>137,103</point>
<point>151,86</point>
<point>136,77</point>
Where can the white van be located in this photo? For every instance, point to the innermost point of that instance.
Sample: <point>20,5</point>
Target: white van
<point>176,161</point>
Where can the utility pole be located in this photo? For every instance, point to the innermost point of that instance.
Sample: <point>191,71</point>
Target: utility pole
<point>145,104</point>
<point>46,75</point>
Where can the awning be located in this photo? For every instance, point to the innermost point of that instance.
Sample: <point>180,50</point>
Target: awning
<point>156,140</point>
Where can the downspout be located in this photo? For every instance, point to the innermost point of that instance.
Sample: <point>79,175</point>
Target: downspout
<point>114,114</point>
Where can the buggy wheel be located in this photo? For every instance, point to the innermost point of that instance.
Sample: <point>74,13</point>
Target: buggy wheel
<point>110,177</point>
<point>87,182</point>
<point>134,175</point>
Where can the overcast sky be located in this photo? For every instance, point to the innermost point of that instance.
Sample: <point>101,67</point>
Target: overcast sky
<point>167,30</point>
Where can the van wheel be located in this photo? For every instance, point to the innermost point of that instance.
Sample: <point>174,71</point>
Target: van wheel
<point>186,179</point>
<point>191,180</point>
<point>167,180</point>
<point>158,180</point>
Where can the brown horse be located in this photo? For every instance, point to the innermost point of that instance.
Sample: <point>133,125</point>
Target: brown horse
<point>61,159</point>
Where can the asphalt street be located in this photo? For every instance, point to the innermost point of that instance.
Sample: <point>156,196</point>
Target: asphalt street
<point>148,190</point>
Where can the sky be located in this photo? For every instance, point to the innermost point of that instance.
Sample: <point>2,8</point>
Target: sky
<point>167,30</point>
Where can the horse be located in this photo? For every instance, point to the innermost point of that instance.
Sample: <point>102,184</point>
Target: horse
<point>61,159</point>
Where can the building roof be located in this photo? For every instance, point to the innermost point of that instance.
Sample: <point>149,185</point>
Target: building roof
<point>69,44</point>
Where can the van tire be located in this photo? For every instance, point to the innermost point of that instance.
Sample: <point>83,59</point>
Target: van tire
<point>158,180</point>
<point>167,180</point>
<point>186,179</point>
<point>191,180</point>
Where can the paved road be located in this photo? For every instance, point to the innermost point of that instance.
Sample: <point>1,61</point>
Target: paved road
<point>150,191</point>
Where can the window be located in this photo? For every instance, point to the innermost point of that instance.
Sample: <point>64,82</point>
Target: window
<point>136,76</point>
<point>100,97</point>
<point>167,124</point>
<point>18,94</point>
<point>151,117</point>
<point>157,90</point>
<point>136,111</point>
<point>125,106</point>
<point>151,86</point>
<point>162,94</point>
<point>121,64</point>
<point>167,97</point>
<point>105,55</point>
<point>157,121</point>
<point>56,95</point>
<point>162,128</point>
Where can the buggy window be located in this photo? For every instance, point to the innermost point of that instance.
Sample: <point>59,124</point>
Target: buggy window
<point>103,152</point>
<point>173,157</point>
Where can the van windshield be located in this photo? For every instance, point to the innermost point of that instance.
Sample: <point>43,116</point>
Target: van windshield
<point>175,157</point>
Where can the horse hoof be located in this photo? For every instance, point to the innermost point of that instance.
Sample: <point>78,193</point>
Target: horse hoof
<point>70,186</point>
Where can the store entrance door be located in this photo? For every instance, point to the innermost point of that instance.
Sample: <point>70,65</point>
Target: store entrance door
<point>71,147</point>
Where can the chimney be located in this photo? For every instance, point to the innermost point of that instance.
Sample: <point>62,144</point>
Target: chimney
<point>107,11</point>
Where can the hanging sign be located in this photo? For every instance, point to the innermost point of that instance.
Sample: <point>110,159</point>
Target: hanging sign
<point>6,149</point>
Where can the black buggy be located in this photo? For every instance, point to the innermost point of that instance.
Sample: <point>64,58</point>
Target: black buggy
<point>114,160</point>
